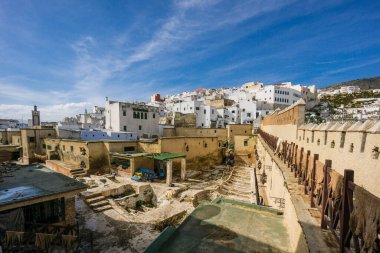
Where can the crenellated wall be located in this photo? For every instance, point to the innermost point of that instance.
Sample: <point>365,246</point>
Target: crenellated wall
<point>349,145</point>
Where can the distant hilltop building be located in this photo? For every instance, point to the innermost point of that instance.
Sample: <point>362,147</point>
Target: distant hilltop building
<point>237,105</point>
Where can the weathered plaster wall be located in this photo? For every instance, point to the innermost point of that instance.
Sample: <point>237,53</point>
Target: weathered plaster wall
<point>33,141</point>
<point>149,147</point>
<point>237,129</point>
<point>244,149</point>
<point>220,133</point>
<point>6,137</point>
<point>117,146</point>
<point>276,189</point>
<point>200,151</point>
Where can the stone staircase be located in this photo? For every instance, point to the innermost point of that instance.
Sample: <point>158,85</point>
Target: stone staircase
<point>78,172</point>
<point>238,186</point>
<point>97,202</point>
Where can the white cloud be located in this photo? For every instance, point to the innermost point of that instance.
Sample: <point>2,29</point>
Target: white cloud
<point>53,112</point>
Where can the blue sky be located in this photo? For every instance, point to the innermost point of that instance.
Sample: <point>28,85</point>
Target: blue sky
<point>68,55</point>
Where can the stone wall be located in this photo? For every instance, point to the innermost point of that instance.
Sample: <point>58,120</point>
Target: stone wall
<point>220,133</point>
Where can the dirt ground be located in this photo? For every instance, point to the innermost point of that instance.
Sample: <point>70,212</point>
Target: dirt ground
<point>119,230</point>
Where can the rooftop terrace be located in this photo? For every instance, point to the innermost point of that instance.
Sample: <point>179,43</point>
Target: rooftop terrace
<point>226,226</point>
<point>20,183</point>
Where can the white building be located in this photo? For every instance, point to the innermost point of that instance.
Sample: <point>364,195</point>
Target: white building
<point>279,95</point>
<point>11,124</point>
<point>248,112</point>
<point>132,117</point>
<point>349,89</point>
<point>206,117</point>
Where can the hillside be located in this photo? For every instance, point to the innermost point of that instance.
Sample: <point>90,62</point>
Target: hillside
<point>364,84</point>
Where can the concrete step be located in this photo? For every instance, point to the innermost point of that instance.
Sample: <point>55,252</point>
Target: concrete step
<point>77,172</point>
<point>237,181</point>
<point>241,187</point>
<point>236,197</point>
<point>241,177</point>
<point>94,199</point>
<point>102,208</point>
<point>74,170</point>
<point>80,175</point>
<point>227,191</point>
<point>89,195</point>
<point>99,204</point>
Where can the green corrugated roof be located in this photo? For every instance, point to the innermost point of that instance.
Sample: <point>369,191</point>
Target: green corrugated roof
<point>164,156</point>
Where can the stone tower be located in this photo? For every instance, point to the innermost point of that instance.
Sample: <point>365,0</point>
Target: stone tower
<point>36,117</point>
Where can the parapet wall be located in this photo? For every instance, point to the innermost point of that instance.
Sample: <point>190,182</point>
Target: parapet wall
<point>292,115</point>
<point>284,123</point>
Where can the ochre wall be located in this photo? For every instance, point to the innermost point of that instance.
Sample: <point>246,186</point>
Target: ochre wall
<point>220,133</point>
<point>237,129</point>
<point>36,147</point>
<point>6,137</point>
<point>244,155</point>
<point>202,151</point>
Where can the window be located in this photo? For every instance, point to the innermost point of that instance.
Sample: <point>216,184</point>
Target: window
<point>49,134</point>
<point>124,113</point>
<point>249,114</point>
<point>146,115</point>
<point>43,145</point>
<point>233,111</point>
<point>72,148</point>
<point>63,147</point>
<point>202,124</point>
<point>243,109</point>
<point>126,149</point>
<point>197,108</point>
<point>205,145</point>
<point>125,128</point>
<point>245,143</point>
<point>140,127</point>
<point>32,139</point>
<point>204,111</point>
<point>154,115</point>
<point>48,147</point>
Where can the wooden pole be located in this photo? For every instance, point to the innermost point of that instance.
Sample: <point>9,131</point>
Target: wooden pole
<point>345,211</point>
<point>312,184</point>
<point>325,191</point>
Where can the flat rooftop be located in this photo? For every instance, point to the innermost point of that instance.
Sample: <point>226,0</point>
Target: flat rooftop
<point>226,226</point>
<point>20,183</point>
